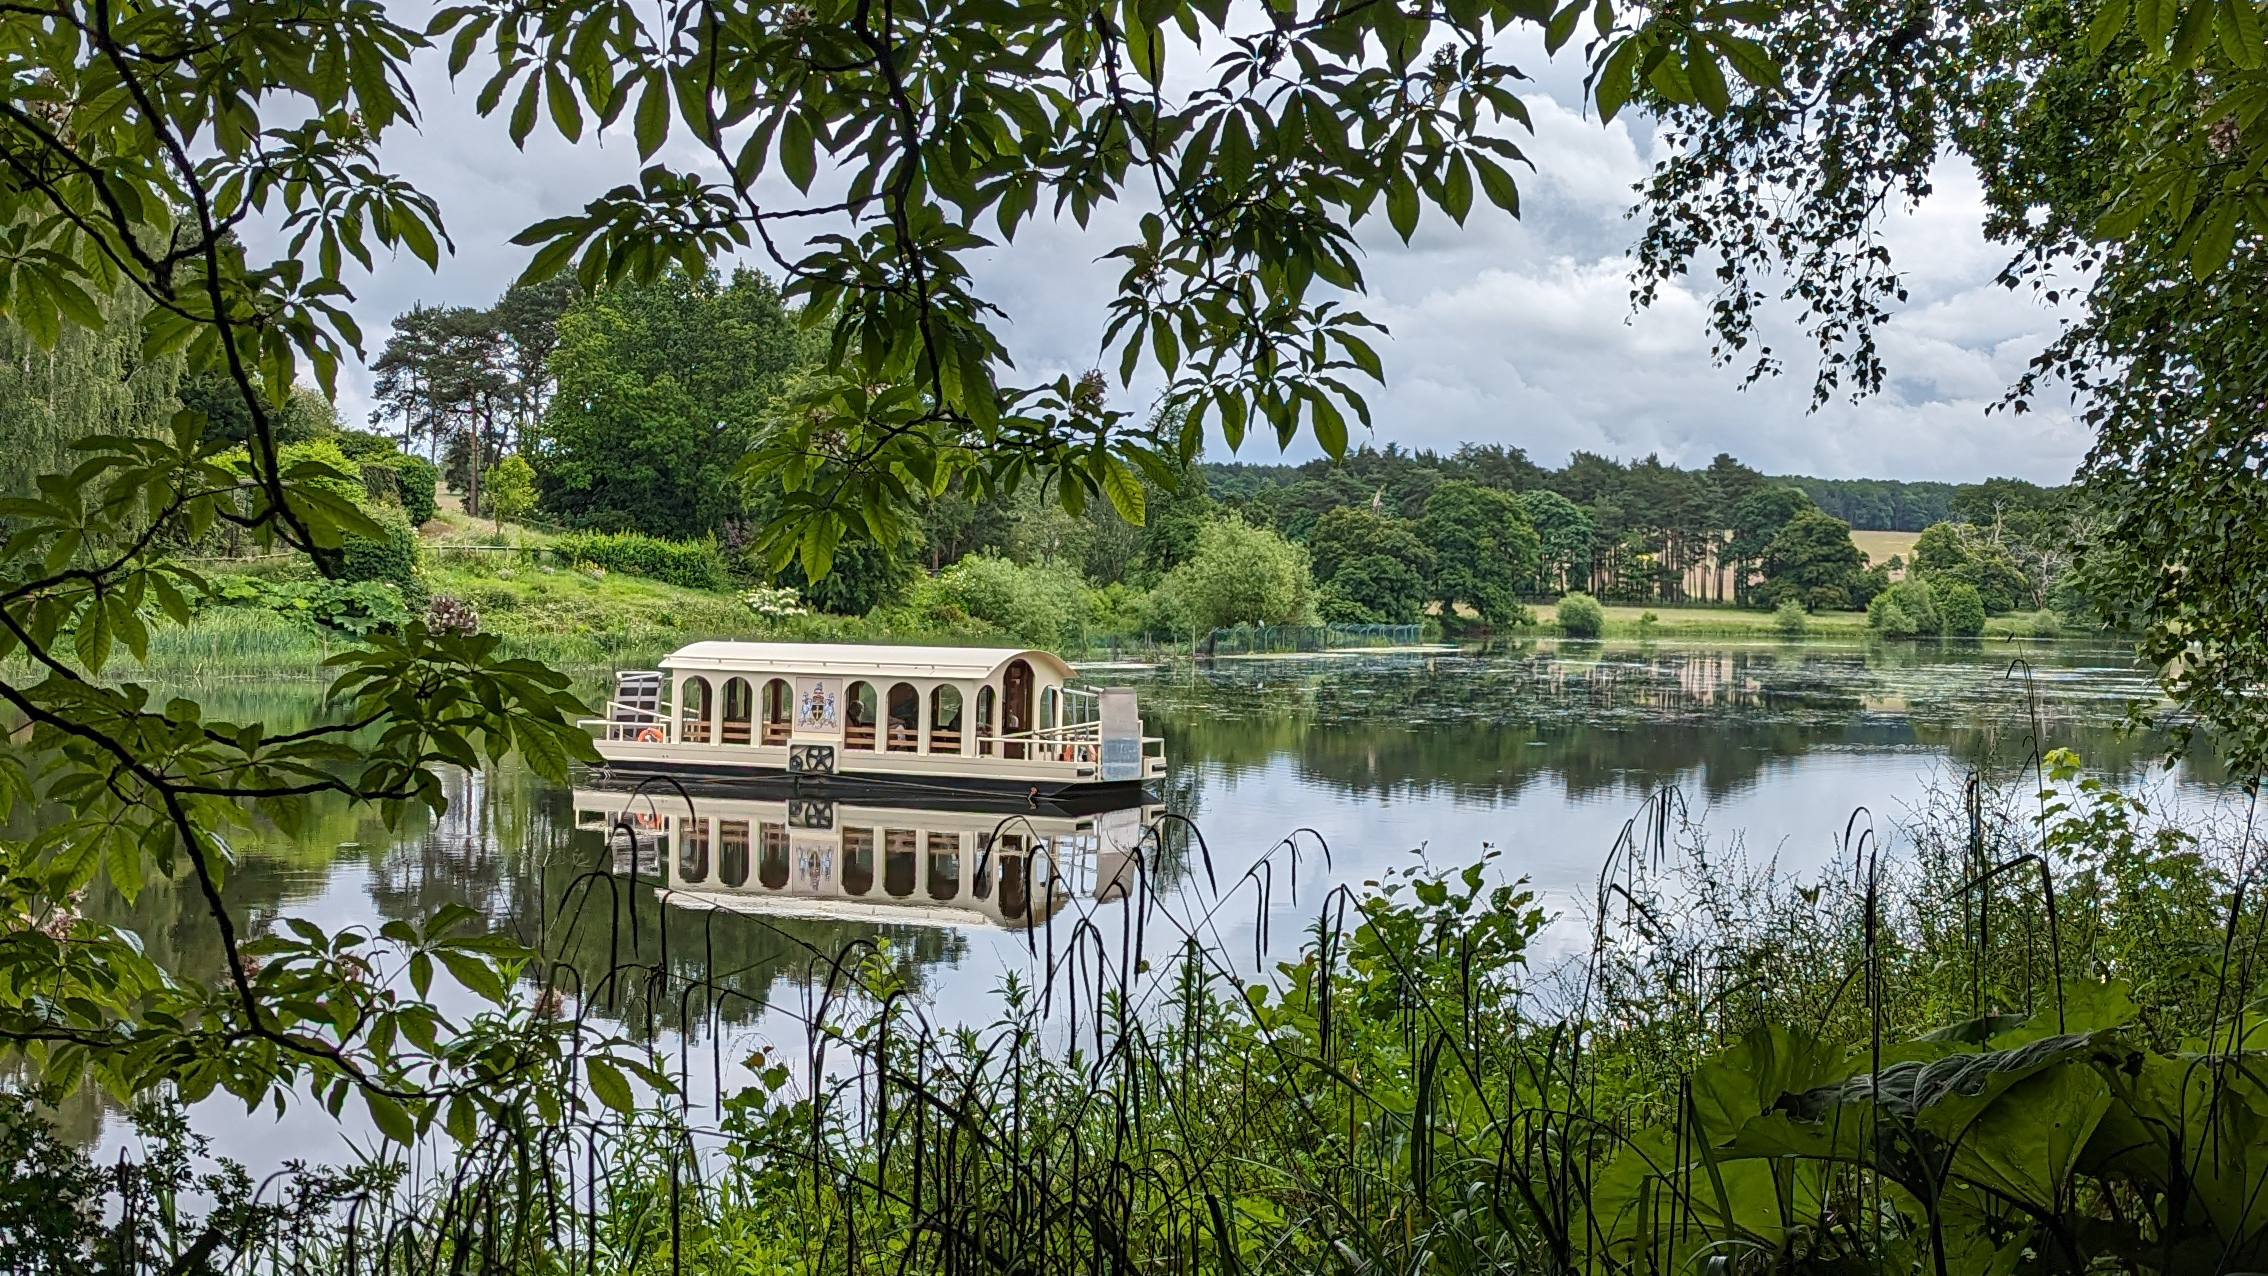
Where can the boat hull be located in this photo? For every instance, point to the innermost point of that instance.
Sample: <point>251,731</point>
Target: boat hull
<point>973,793</point>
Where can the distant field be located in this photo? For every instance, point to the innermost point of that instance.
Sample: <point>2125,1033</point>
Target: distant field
<point>1880,546</point>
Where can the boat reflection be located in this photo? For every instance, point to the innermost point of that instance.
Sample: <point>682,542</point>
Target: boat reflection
<point>805,857</point>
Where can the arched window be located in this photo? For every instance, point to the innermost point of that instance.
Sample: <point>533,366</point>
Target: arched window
<point>858,860</point>
<point>772,860</point>
<point>1047,709</point>
<point>905,719</point>
<point>1015,707</point>
<point>859,716</point>
<point>739,710</point>
<point>732,852</point>
<point>693,711</point>
<point>945,720</point>
<point>980,878</point>
<point>899,850</point>
<point>779,710</point>
<point>984,702</point>
<point>693,853</point>
<point>944,866</point>
<point>1015,883</point>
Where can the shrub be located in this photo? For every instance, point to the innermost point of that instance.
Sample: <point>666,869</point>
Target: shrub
<point>1963,610</point>
<point>688,564</point>
<point>1243,575</point>
<point>2044,623</point>
<point>1788,619</point>
<point>1581,616</point>
<point>391,560</point>
<point>509,488</point>
<point>1038,603</point>
<point>414,481</point>
<point>1906,609</point>
<point>1885,615</point>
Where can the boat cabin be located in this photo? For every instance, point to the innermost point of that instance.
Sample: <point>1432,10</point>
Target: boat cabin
<point>998,717</point>
<point>813,858</point>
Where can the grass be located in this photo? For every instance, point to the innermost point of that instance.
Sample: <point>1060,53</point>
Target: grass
<point>1674,623</point>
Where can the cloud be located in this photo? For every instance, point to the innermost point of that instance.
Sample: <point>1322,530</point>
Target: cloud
<point>1501,331</point>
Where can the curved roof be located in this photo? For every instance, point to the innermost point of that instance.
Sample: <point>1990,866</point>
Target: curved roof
<point>853,660</point>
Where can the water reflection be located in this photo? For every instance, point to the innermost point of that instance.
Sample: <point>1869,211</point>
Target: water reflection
<point>1009,868</point>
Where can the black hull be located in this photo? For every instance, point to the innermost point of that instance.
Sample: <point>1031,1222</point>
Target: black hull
<point>766,784</point>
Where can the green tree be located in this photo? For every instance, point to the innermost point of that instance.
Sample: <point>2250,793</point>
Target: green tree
<point>662,388</point>
<point>1959,552</point>
<point>1484,551</point>
<point>1963,610</point>
<point>1813,561</point>
<point>1242,575</point>
<point>1563,539</point>
<point>1373,589</point>
<point>511,488</point>
<point>1756,520</point>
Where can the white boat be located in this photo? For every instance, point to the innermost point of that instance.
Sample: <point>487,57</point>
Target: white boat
<point>933,718</point>
<point>815,859</point>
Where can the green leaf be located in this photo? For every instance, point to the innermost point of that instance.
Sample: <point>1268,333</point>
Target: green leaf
<point>797,157</point>
<point>651,123</point>
<point>1402,207</point>
<point>2109,20</point>
<point>2240,33</point>
<point>391,1118</point>
<point>1124,490</point>
<point>2215,239</point>
<point>1617,80</point>
<point>611,1087</point>
<point>1145,48</point>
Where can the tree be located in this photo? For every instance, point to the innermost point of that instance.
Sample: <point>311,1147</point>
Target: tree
<point>1242,575</point>
<point>1484,551</point>
<point>1756,520</point>
<point>1350,532</point>
<point>1812,560</point>
<point>1563,540</point>
<point>2120,163</point>
<point>1958,552</point>
<point>1373,589</point>
<point>662,388</point>
<point>1963,610</point>
<point>511,488</point>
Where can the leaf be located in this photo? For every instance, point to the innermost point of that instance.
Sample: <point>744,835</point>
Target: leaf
<point>2240,33</point>
<point>797,159</point>
<point>1145,48</point>
<point>1402,207</point>
<point>2215,239</point>
<point>391,1118</point>
<point>651,122</point>
<point>2109,21</point>
<point>1617,80</point>
<point>611,1087</point>
<point>1123,489</point>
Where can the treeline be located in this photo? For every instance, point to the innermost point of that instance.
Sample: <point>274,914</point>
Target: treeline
<point>628,411</point>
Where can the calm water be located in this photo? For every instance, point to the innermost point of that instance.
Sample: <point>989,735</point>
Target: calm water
<point>1541,751</point>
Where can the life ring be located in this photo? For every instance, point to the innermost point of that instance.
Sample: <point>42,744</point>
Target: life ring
<point>650,735</point>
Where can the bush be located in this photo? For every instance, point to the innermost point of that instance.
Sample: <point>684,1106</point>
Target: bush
<point>1581,616</point>
<point>1788,619</point>
<point>1892,621</point>
<point>414,481</point>
<point>1040,603</point>
<point>2044,623</point>
<point>1242,575</point>
<point>687,564</point>
<point>1963,610</point>
<point>389,561</point>
<point>1905,610</point>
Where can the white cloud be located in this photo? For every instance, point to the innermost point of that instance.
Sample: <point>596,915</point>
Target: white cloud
<point>1502,331</point>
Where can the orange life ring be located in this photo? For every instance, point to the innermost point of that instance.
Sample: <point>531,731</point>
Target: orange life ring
<point>651,735</point>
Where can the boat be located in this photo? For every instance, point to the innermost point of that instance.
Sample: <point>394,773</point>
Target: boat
<point>932,719</point>
<point>819,859</point>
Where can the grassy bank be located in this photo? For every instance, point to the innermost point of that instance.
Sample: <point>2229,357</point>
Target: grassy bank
<point>1674,623</point>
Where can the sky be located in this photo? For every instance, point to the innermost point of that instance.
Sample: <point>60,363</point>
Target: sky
<point>1506,331</point>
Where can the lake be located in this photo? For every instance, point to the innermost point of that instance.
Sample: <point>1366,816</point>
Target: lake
<point>1297,775</point>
